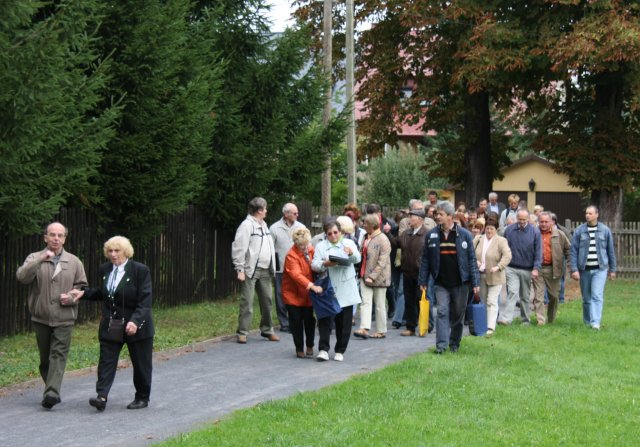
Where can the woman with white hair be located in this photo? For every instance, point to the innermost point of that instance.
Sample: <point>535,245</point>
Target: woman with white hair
<point>126,319</point>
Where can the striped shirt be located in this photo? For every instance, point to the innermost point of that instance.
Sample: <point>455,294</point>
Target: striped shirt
<point>592,257</point>
<point>449,275</point>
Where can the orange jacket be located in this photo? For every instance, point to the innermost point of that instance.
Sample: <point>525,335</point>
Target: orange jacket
<point>296,277</point>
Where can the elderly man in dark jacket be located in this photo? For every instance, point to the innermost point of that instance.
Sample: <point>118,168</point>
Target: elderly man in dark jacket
<point>449,258</point>
<point>410,242</point>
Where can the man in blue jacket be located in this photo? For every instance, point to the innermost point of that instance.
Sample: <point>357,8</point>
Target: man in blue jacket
<point>449,258</point>
<point>525,243</point>
<point>592,255</point>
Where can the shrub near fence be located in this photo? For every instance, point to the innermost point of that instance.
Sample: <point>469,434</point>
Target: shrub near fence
<point>190,262</point>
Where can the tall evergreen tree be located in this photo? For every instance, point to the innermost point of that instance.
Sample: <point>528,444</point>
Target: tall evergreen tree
<point>267,140</point>
<point>51,128</point>
<point>165,67</point>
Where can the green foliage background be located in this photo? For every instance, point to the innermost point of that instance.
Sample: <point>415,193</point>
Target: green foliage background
<point>397,177</point>
<point>138,109</point>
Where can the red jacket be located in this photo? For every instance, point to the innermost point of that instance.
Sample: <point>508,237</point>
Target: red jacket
<point>296,277</point>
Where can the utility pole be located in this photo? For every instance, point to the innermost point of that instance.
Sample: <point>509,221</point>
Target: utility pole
<point>325,208</point>
<point>351,129</point>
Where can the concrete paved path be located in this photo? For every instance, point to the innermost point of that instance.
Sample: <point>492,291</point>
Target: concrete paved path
<point>190,389</point>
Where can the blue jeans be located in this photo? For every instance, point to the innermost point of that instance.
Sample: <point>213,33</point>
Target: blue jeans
<point>592,288</point>
<point>452,304</point>
<point>398,286</point>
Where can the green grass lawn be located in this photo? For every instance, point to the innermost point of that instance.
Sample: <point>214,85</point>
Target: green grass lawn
<point>561,384</point>
<point>175,327</point>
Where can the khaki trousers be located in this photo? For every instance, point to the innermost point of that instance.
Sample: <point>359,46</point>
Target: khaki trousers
<point>546,279</point>
<point>262,284</point>
<point>373,296</point>
<point>490,296</point>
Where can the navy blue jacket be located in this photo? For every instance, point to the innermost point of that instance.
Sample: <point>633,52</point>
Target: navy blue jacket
<point>430,262</point>
<point>525,245</point>
<point>133,291</point>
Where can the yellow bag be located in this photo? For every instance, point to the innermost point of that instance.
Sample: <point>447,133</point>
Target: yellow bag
<point>423,319</point>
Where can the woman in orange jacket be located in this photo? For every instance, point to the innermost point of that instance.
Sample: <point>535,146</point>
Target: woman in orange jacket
<point>297,281</point>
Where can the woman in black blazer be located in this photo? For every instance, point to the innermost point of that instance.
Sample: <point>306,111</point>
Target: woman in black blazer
<point>126,296</point>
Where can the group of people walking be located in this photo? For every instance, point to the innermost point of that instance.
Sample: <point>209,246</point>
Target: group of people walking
<point>428,250</point>
<point>451,254</point>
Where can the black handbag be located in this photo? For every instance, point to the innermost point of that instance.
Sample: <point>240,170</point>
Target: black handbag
<point>115,330</point>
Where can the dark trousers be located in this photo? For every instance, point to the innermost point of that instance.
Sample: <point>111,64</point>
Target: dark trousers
<point>53,345</point>
<point>140,352</point>
<point>343,330</point>
<point>302,324</point>
<point>281,307</point>
<point>451,304</point>
<point>411,290</point>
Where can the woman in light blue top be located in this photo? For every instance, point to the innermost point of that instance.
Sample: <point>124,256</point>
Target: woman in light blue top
<point>343,279</point>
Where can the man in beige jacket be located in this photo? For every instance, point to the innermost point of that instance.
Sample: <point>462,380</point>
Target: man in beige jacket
<point>555,249</point>
<point>51,274</point>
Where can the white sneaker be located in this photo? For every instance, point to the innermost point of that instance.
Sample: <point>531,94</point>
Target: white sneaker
<point>595,327</point>
<point>338,357</point>
<point>323,356</point>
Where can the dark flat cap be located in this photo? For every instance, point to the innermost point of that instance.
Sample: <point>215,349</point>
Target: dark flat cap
<point>417,212</point>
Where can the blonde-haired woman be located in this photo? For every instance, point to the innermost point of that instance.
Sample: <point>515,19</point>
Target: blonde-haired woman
<point>126,296</point>
<point>297,280</point>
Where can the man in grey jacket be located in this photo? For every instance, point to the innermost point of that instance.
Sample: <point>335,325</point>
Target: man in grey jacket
<point>51,274</point>
<point>281,234</point>
<point>254,260</point>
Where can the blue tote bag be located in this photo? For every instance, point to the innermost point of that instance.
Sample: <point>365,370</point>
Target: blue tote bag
<point>325,304</point>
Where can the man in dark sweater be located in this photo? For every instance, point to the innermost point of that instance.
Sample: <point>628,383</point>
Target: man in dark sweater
<point>410,242</point>
<point>448,257</point>
<point>526,249</point>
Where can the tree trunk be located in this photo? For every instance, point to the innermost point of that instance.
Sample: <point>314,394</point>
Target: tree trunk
<point>478,165</point>
<point>609,121</point>
<point>610,204</point>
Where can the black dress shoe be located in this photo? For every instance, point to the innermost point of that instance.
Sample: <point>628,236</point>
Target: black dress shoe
<point>138,404</point>
<point>453,349</point>
<point>99,403</point>
<point>49,401</point>
<point>396,324</point>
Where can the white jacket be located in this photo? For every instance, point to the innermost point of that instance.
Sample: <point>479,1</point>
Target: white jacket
<point>343,277</point>
<point>251,238</point>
